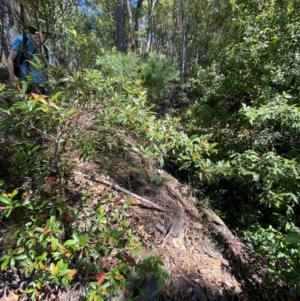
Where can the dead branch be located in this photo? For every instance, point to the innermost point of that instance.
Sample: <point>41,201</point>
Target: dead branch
<point>118,188</point>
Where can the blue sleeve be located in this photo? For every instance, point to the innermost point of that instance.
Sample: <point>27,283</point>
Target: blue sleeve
<point>48,53</point>
<point>17,43</point>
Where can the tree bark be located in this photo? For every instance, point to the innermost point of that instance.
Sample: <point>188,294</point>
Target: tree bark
<point>131,28</point>
<point>120,19</point>
<point>150,29</point>
<point>137,22</point>
<point>7,19</point>
<point>183,47</point>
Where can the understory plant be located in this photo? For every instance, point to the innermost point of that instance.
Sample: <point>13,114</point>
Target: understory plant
<point>58,245</point>
<point>89,114</point>
<point>247,101</point>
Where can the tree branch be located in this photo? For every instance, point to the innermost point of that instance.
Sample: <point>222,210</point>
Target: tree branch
<point>118,188</point>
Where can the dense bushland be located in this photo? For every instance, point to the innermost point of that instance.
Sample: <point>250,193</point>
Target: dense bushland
<point>86,114</point>
<point>234,131</point>
<point>247,101</point>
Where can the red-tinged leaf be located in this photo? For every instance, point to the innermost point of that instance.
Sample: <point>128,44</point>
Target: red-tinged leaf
<point>4,207</point>
<point>42,266</point>
<point>100,277</point>
<point>71,273</point>
<point>26,196</point>
<point>47,230</point>
<point>72,120</point>
<point>129,259</point>
<point>112,111</point>
<point>118,203</point>
<point>67,218</point>
<point>75,92</point>
<point>100,281</point>
<point>50,179</point>
<point>42,217</point>
<point>52,104</point>
<point>68,254</point>
<point>39,97</point>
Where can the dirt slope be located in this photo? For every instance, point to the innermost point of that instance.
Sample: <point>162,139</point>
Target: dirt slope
<point>204,259</point>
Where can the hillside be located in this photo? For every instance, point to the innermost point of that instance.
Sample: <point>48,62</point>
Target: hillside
<point>204,259</point>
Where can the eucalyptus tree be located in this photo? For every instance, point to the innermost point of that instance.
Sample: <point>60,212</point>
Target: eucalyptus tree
<point>7,19</point>
<point>120,26</point>
<point>188,32</point>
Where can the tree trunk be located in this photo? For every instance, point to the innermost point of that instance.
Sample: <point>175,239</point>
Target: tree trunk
<point>120,19</point>
<point>7,24</point>
<point>183,47</point>
<point>131,28</point>
<point>150,29</point>
<point>137,22</point>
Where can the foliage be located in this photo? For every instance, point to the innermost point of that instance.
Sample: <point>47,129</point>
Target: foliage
<point>157,72</point>
<point>238,136</point>
<point>247,101</point>
<point>51,249</point>
<point>118,65</point>
<point>48,247</point>
<point>281,252</point>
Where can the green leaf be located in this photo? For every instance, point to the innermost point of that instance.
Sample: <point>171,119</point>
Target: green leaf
<point>12,263</point>
<point>75,236</point>
<point>71,243</point>
<point>27,204</point>
<point>14,193</point>
<point>5,200</point>
<point>83,240</point>
<point>21,257</point>
<point>54,244</point>
<point>63,272</point>
<point>55,96</point>
<point>105,285</point>
<point>125,224</point>
<point>292,238</point>
<point>7,111</point>
<point>4,263</point>
<point>52,221</point>
<point>71,112</point>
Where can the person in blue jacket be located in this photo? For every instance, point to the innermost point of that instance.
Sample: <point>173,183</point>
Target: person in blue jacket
<point>33,66</point>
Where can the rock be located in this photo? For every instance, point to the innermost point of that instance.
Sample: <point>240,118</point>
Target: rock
<point>199,293</point>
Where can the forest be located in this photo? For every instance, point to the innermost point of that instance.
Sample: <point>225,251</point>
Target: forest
<point>163,161</point>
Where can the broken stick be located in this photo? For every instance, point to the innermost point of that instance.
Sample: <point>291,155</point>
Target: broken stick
<point>118,188</point>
